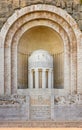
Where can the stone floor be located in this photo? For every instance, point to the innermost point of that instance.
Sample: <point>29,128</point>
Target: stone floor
<point>41,124</point>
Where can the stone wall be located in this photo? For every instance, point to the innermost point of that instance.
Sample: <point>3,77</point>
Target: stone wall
<point>14,108</point>
<point>37,107</point>
<point>22,21</point>
<point>8,7</point>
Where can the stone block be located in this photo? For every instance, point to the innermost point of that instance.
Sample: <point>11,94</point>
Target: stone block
<point>80,15</point>
<point>63,5</point>
<point>22,3</point>
<point>69,10</point>
<point>58,4</point>
<point>16,4</point>
<point>69,4</point>
<point>50,2</point>
<point>75,6</point>
<point>2,21</point>
<point>75,15</point>
<point>30,2</point>
<point>80,7</point>
<point>80,24</point>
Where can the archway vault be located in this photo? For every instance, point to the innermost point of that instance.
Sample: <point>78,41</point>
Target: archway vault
<point>40,38</point>
<point>40,15</point>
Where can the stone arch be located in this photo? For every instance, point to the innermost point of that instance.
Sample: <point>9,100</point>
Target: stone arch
<point>23,29</point>
<point>27,15</point>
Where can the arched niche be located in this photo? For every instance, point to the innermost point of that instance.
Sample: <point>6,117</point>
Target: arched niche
<point>40,15</point>
<point>41,37</point>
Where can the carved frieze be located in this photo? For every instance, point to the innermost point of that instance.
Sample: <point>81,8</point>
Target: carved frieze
<point>70,99</point>
<point>12,100</point>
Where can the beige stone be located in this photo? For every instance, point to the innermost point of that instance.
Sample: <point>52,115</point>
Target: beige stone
<point>8,7</point>
<point>36,104</point>
<point>70,35</point>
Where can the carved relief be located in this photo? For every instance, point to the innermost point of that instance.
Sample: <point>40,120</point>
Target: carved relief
<point>70,99</point>
<point>12,100</point>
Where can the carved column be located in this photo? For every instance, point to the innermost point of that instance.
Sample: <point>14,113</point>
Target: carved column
<point>50,78</point>
<point>30,79</point>
<point>36,79</point>
<point>7,71</point>
<point>43,78</point>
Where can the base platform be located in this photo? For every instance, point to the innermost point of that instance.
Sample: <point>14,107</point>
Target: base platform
<point>40,124</point>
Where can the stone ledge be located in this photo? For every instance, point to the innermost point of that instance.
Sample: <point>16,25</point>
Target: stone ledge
<point>41,124</point>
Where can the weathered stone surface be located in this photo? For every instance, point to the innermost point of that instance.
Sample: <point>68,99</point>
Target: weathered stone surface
<point>16,27</point>
<point>63,4</point>
<point>80,7</point>
<point>80,16</point>
<point>7,7</point>
<point>62,108</point>
<point>16,4</point>
<point>69,4</point>
<point>80,24</point>
<point>75,15</point>
<point>69,10</point>
<point>41,124</point>
<point>15,106</point>
<point>75,7</point>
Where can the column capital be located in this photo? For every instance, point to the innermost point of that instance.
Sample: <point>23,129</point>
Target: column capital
<point>50,70</point>
<point>36,69</point>
<point>44,69</point>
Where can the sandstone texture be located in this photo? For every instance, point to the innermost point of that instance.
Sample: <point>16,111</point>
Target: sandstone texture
<point>8,7</point>
<point>40,107</point>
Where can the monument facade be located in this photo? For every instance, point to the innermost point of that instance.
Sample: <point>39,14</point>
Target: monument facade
<point>41,64</point>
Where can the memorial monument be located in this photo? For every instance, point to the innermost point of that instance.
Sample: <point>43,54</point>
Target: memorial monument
<point>41,63</point>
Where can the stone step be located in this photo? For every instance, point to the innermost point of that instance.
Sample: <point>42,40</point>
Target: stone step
<point>40,124</point>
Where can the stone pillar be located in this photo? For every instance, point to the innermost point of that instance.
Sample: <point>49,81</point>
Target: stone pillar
<point>14,70</point>
<point>7,71</point>
<point>50,78</point>
<point>2,71</point>
<point>43,78</point>
<point>36,79</point>
<point>30,79</point>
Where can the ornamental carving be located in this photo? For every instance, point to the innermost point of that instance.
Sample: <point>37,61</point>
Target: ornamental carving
<point>12,100</point>
<point>70,99</point>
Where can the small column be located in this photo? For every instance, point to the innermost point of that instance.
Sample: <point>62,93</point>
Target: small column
<point>43,78</point>
<point>50,78</point>
<point>36,79</point>
<point>30,79</point>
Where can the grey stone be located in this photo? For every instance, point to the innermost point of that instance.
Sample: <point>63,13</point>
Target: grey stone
<point>75,15</point>
<point>80,24</point>
<point>69,10</point>
<point>69,4</point>
<point>63,4</point>
<point>58,4</point>
<point>30,2</point>
<point>80,15</point>
<point>80,7</point>
<point>75,6</point>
